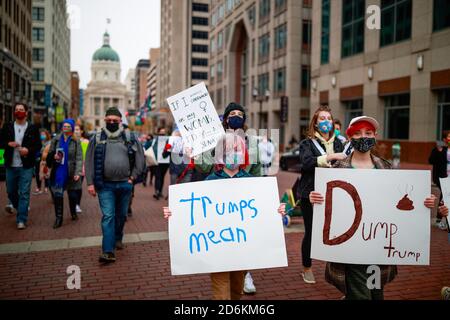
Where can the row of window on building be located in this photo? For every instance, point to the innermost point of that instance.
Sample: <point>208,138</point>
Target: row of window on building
<point>396,17</point>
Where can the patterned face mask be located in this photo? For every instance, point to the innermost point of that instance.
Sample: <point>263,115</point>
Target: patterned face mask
<point>363,145</point>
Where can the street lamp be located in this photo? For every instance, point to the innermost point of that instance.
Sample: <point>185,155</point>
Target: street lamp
<point>260,98</point>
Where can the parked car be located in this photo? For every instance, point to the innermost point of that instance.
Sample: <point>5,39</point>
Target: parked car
<point>290,160</point>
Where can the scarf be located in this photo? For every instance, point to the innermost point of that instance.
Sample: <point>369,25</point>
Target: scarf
<point>62,172</point>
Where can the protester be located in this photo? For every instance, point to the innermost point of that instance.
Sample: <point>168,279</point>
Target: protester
<point>80,134</point>
<point>320,149</point>
<point>114,160</point>
<point>338,131</point>
<point>41,167</point>
<point>234,119</point>
<point>266,153</point>
<point>439,157</point>
<point>21,141</point>
<point>351,279</point>
<point>65,158</point>
<point>150,169</point>
<point>181,168</point>
<point>162,168</point>
<point>230,164</point>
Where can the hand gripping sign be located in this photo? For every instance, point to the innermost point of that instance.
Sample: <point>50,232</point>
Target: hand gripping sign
<point>372,217</point>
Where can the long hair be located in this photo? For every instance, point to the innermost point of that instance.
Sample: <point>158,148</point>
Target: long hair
<point>312,125</point>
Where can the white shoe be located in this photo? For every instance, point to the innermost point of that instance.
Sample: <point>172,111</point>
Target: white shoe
<point>10,209</point>
<point>308,277</point>
<point>249,287</point>
<point>21,226</point>
<point>78,209</point>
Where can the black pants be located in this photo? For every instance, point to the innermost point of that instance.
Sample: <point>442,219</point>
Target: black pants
<point>152,171</point>
<point>37,168</point>
<point>307,212</point>
<point>160,175</point>
<point>356,282</point>
<point>59,202</point>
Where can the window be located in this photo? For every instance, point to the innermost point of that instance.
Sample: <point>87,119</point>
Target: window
<point>443,112</point>
<point>221,12</point>
<point>441,14</point>
<point>264,10</point>
<point>263,83</point>
<point>219,98</point>
<point>279,83</point>
<point>220,41</point>
<point>199,48</point>
<point>213,44</point>
<point>230,5</point>
<point>353,20</point>
<point>38,54</point>
<point>38,14</point>
<point>38,34</point>
<point>199,34</point>
<point>219,70</point>
<point>200,21</point>
<point>212,72</point>
<point>281,37</point>
<point>280,6</point>
<point>199,62</point>
<point>395,21</point>
<point>306,79</point>
<point>264,48</point>
<point>397,116</point>
<point>252,15</point>
<point>353,109</point>
<point>200,7</point>
<point>325,36</point>
<point>38,74</point>
<point>214,19</point>
<point>306,35</point>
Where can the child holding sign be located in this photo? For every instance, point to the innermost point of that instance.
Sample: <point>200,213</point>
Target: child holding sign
<point>351,279</point>
<point>231,158</point>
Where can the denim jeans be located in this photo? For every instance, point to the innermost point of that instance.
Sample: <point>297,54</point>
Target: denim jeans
<point>18,185</point>
<point>114,199</point>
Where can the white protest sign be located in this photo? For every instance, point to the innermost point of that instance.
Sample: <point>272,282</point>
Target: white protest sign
<point>445,188</point>
<point>372,217</point>
<point>196,118</point>
<point>225,225</point>
<point>162,141</point>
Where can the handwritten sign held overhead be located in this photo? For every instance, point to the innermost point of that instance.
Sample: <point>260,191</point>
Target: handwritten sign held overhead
<point>196,118</point>
<point>225,225</point>
<point>372,217</point>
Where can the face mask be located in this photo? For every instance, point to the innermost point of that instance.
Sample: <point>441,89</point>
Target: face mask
<point>337,132</point>
<point>43,138</point>
<point>20,115</point>
<point>236,122</point>
<point>112,127</point>
<point>325,126</point>
<point>67,132</point>
<point>234,161</point>
<point>363,145</point>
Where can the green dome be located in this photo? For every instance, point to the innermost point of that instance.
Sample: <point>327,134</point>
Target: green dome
<point>106,53</point>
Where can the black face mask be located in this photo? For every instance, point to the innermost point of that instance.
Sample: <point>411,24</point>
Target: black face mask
<point>112,127</point>
<point>363,145</point>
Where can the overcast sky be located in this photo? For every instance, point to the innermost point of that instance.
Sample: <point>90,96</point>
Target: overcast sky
<point>134,29</point>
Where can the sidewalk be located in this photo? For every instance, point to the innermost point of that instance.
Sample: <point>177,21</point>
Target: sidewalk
<point>36,269</point>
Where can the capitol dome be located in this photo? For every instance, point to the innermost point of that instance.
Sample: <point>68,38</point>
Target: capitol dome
<point>106,53</point>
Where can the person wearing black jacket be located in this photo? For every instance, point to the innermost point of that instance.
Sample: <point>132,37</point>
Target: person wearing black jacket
<point>320,149</point>
<point>21,143</point>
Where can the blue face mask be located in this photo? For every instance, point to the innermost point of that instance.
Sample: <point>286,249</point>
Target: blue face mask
<point>43,138</point>
<point>236,122</point>
<point>325,126</point>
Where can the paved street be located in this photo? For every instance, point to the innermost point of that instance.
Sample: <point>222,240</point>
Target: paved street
<point>33,262</point>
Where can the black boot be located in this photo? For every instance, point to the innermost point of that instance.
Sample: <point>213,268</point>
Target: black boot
<point>59,210</point>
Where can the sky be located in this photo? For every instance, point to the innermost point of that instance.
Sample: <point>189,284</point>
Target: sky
<point>134,28</point>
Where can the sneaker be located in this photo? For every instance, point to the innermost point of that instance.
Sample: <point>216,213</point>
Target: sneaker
<point>119,245</point>
<point>37,192</point>
<point>249,287</point>
<point>21,226</point>
<point>78,209</point>
<point>445,293</point>
<point>107,257</point>
<point>308,277</point>
<point>10,209</point>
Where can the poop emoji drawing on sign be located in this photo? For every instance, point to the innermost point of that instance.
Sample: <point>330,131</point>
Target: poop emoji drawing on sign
<point>406,204</point>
